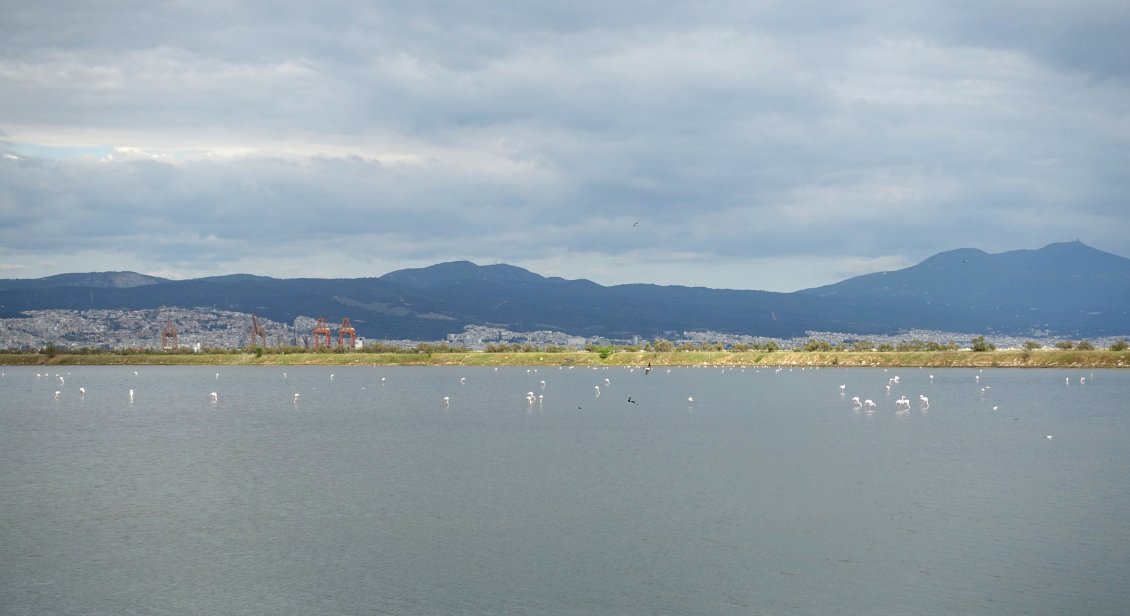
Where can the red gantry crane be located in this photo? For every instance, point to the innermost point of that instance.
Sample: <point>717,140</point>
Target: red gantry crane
<point>346,330</point>
<point>169,332</point>
<point>258,334</point>
<point>321,330</point>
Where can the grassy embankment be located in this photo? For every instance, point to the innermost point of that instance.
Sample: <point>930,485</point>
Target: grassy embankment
<point>1044,358</point>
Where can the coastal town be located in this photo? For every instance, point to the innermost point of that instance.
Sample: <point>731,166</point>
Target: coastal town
<point>203,329</point>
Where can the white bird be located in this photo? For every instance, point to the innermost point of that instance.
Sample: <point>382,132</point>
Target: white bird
<point>902,405</point>
<point>855,403</point>
<point>869,404</point>
<point>842,388</point>
<point>1082,380</point>
<point>462,380</point>
<point>607,382</point>
<point>596,391</point>
<point>1049,437</point>
<point>690,399</point>
<point>57,394</point>
<point>214,396</point>
<point>446,401</point>
<point>296,398</point>
<point>542,384</point>
<point>923,401</point>
<point>82,392</point>
<point>131,396</point>
<point>331,377</point>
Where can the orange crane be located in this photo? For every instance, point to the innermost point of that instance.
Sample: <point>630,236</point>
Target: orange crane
<point>258,334</point>
<point>346,330</point>
<point>169,332</point>
<point>321,330</point>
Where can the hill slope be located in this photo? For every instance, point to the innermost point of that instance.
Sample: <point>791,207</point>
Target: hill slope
<point>1067,289</point>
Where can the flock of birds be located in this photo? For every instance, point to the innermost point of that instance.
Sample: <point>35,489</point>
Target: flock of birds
<point>902,404</point>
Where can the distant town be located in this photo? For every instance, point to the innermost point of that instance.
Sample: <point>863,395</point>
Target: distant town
<point>204,329</point>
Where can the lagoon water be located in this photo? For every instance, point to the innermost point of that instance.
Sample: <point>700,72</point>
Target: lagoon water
<point>769,494</point>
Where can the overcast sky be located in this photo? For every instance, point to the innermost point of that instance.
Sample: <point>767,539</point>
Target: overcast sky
<point>747,145</point>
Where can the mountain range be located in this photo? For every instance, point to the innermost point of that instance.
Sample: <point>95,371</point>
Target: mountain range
<point>1065,289</point>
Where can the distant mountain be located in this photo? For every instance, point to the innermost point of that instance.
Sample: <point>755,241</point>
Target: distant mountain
<point>1068,289</point>
<point>99,280</point>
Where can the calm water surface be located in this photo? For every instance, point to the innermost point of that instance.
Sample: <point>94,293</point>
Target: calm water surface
<point>769,494</point>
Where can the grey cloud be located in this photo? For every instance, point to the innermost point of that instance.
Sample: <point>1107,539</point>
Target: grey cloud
<point>511,131</point>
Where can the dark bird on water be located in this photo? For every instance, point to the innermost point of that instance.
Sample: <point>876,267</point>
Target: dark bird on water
<point>632,401</point>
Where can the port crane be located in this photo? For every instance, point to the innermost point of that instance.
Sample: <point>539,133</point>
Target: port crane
<point>321,330</point>
<point>346,330</point>
<point>169,332</point>
<point>258,333</point>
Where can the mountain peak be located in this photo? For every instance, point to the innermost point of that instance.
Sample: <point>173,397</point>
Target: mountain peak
<point>453,272</point>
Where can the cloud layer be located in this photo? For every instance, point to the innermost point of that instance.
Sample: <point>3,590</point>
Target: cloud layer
<point>757,145</point>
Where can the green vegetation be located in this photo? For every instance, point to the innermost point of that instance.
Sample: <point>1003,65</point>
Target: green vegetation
<point>980,346</point>
<point>687,355</point>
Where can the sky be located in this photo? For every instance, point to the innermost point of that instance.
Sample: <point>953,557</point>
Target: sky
<point>745,145</point>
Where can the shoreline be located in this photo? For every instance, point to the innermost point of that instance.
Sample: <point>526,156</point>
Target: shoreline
<point>1043,358</point>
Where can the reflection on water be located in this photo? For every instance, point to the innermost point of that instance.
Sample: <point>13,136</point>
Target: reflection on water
<point>318,490</point>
